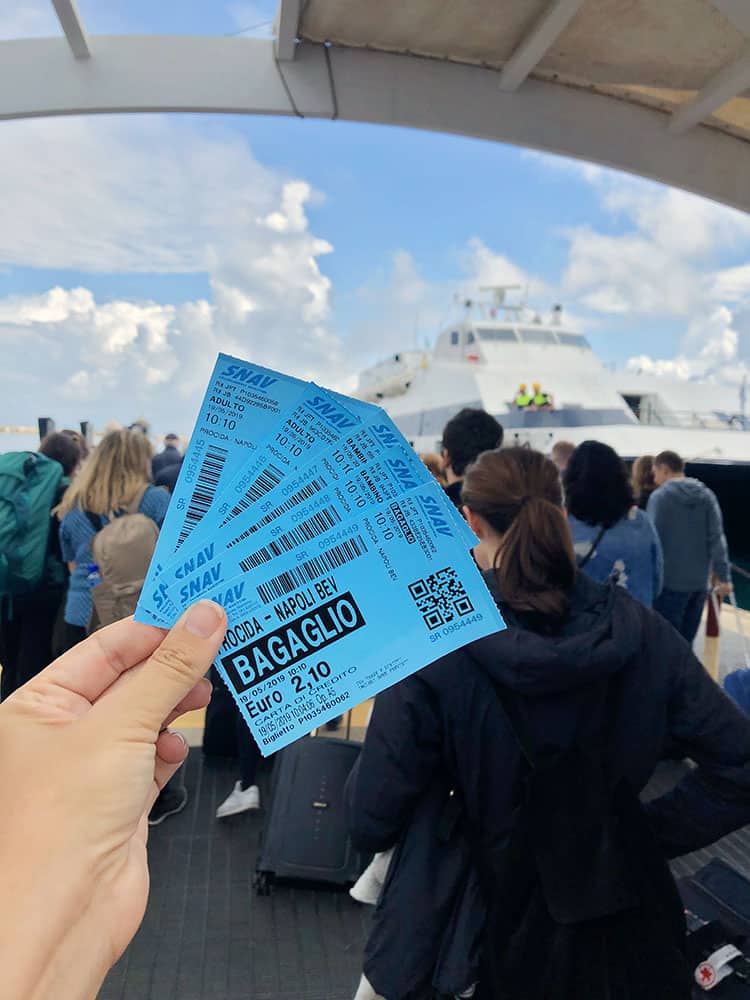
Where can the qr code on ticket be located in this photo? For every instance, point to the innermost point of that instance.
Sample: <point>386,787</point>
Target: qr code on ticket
<point>440,598</point>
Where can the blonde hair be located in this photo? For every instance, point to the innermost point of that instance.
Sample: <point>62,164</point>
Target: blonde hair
<point>435,464</point>
<point>642,477</point>
<point>114,473</point>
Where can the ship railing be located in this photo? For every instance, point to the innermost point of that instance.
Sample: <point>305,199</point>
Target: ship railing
<point>695,419</point>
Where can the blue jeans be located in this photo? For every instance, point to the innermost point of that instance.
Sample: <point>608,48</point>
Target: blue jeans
<point>682,609</point>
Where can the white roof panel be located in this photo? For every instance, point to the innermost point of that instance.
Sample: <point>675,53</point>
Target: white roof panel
<point>656,87</point>
<point>655,53</point>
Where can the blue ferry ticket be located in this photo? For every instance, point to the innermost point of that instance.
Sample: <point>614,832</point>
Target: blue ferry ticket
<point>260,433</point>
<point>349,475</point>
<point>362,445</point>
<point>369,467</point>
<point>319,631</point>
<point>316,423</point>
<point>242,404</point>
<point>367,487</point>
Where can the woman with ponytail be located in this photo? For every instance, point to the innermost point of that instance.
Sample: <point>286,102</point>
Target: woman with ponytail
<point>507,777</point>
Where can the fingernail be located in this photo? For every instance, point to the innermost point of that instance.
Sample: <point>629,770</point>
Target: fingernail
<point>204,618</point>
<point>181,736</point>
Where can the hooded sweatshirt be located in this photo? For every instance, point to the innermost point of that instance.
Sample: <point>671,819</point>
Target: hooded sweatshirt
<point>446,727</point>
<point>688,520</point>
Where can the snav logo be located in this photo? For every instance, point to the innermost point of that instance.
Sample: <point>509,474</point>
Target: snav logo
<point>403,473</point>
<point>159,596</point>
<point>199,583</point>
<point>248,377</point>
<point>330,412</point>
<point>385,435</point>
<point>229,595</point>
<point>437,518</point>
<point>195,562</point>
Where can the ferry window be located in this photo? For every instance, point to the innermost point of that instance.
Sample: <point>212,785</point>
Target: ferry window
<point>497,334</point>
<point>573,339</point>
<point>537,337</point>
<point>454,338</point>
<point>470,338</point>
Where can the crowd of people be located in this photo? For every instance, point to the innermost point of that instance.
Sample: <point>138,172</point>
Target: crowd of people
<point>498,787</point>
<point>95,565</point>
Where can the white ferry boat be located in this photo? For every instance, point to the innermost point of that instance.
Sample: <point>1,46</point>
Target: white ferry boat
<point>483,358</point>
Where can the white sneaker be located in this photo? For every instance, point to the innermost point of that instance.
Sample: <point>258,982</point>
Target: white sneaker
<point>369,885</point>
<point>366,889</point>
<point>239,801</point>
<point>365,991</point>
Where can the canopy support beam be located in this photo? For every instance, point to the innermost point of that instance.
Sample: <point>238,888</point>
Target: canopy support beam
<point>240,76</point>
<point>533,47</point>
<point>287,26</point>
<point>728,83</point>
<point>72,25</point>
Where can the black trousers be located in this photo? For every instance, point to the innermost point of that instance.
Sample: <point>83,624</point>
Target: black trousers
<point>248,752</point>
<point>26,627</point>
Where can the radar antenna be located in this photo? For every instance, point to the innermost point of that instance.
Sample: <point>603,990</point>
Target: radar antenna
<point>499,293</point>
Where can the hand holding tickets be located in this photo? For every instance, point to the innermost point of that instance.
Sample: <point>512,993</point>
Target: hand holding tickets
<point>341,564</point>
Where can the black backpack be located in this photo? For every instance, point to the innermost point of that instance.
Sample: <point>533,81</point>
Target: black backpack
<point>581,901</point>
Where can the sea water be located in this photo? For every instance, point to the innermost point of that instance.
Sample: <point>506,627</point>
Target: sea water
<point>18,441</point>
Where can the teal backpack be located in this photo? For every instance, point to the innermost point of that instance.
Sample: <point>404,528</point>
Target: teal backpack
<point>29,485</point>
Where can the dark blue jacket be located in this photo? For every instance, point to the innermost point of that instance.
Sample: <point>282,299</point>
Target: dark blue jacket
<point>445,726</point>
<point>160,462</point>
<point>629,553</point>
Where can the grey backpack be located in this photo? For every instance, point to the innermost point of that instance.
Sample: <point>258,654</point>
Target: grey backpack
<point>122,551</point>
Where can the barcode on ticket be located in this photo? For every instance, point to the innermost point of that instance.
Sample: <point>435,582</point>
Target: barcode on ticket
<point>204,491</point>
<point>268,478</point>
<point>316,524</point>
<point>440,597</point>
<point>306,493</point>
<point>308,571</point>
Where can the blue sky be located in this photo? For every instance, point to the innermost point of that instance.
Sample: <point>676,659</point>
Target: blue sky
<point>133,248</point>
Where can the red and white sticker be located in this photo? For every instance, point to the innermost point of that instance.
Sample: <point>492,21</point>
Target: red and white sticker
<point>705,976</point>
<point>716,967</point>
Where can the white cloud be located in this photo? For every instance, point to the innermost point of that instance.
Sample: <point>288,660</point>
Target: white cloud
<point>683,224</point>
<point>402,309</point>
<point>150,194</point>
<point>291,217</point>
<point>53,306</point>
<point>679,368</point>
<point>732,284</point>
<point>485,268</point>
<point>589,172</point>
<point>154,195</point>
<point>662,256</point>
<point>711,337</point>
<point>656,253</point>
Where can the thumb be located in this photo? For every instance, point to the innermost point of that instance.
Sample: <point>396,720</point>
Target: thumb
<point>148,694</point>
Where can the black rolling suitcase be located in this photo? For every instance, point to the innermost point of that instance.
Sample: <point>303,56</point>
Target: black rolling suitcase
<point>305,837</point>
<point>717,906</point>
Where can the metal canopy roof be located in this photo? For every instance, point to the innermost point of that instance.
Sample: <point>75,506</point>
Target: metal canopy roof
<point>656,88</point>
